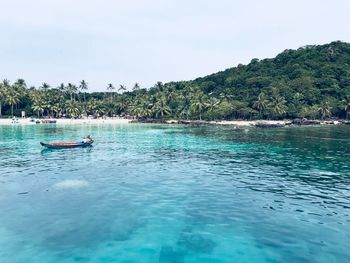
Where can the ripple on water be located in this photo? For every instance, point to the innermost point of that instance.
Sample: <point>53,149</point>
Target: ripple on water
<point>185,194</point>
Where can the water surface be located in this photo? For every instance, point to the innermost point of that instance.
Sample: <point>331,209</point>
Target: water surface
<point>148,193</point>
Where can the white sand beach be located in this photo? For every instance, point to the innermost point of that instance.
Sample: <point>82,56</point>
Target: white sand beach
<point>26,121</point>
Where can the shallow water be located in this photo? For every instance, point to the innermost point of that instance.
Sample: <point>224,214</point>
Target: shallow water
<point>148,193</point>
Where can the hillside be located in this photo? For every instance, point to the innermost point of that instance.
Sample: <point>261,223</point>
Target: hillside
<point>306,77</point>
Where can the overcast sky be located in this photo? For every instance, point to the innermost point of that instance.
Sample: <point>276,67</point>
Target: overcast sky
<point>145,41</point>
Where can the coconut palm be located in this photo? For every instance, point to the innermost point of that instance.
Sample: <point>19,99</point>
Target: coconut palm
<point>4,86</point>
<point>91,106</point>
<point>38,104</point>
<point>12,97</point>
<point>95,107</point>
<point>142,108</point>
<point>72,108</point>
<point>2,96</point>
<point>72,90</point>
<point>83,87</point>
<point>159,86</point>
<point>198,105</point>
<point>122,88</point>
<point>136,87</point>
<point>6,83</point>
<point>100,109</point>
<point>110,89</point>
<point>20,83</point>
<point>261,103</point>
<point>146,110</point>
<point>161,108</point>
<point>324,109</point>
<point>184,112</point>
<point>346,106</point>
<point>45,87</point>
<point>278,106</point>
<point>212,104</point>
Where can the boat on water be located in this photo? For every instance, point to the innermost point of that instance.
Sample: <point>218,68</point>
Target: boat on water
<point>85,142</point>
<point>48,121</point>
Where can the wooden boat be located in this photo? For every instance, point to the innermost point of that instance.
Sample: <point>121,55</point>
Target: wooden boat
<point>48,121</point>
<point>62,145</point>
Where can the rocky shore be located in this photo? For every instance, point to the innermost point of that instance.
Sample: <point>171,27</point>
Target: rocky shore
<point>255,123</point>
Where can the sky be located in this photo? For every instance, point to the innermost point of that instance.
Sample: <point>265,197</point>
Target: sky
<point>145,41</point>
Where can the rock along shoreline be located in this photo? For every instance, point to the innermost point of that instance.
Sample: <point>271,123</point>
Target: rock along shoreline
<point>243,123</point>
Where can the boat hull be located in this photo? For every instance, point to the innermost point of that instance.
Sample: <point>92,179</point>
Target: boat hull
<point>65,145</point>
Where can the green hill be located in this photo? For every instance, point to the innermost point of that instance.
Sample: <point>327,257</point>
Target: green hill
<point>302,81</point>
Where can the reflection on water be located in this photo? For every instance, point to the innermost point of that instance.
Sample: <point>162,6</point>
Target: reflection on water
<point>148,193</point>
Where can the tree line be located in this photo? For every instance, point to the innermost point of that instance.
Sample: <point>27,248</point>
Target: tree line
<point>311,82</point>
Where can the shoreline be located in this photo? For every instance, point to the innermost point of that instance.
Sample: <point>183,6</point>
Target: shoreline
<point>26,121</point>
<point>237,123</point>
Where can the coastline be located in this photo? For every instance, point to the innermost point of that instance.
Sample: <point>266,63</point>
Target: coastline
<point>237,123</point>
<point>26,121</point>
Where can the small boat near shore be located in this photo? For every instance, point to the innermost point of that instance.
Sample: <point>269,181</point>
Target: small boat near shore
<point>86,142</point>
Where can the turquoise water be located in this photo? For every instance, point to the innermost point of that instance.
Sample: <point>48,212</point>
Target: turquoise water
<point>175,194</point>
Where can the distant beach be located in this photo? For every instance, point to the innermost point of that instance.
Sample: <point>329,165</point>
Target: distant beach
<point>26,121</point>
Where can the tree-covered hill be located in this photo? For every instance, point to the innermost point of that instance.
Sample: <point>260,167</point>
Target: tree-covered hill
<point>311,82</point>
<point>301,81</point>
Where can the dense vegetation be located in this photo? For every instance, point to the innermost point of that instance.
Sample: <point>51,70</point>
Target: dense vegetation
<point>311,82</point>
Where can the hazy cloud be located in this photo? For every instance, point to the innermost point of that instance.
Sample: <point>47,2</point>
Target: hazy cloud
<point>151,40</point>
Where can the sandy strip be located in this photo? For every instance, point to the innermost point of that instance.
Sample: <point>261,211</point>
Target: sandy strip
<point>26,121</point>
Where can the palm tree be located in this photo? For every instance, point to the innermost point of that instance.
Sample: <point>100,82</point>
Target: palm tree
<point>161,108</point>
<point>159,86</point>
<point>142,108</point>
<point>3,89</point>
<point>83,87</point>
<point>136,87</point>
<point>346,106</point>
<point>62,89</point>
<point>198,105</point>
<point>20,83</point>
<point>38,104</point>
<point>325,110</point>
<point>6,82</point>
<point>72,108</point>
<point>45,87</point>
<point>71,89</point>
<point>110,88</point>
<point>95,107</point>
<point>184,112</point>
<point>146,111</point>
<point>12,97</point>
<point>261,103</point>
<point>122,88</point>
<point>225,96</point>
<point>100,109</point>
<point>212,104</point>
<point>92,106</point>
<point>56,108</point>
<point>278,105</point>
<point>2,95</point>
